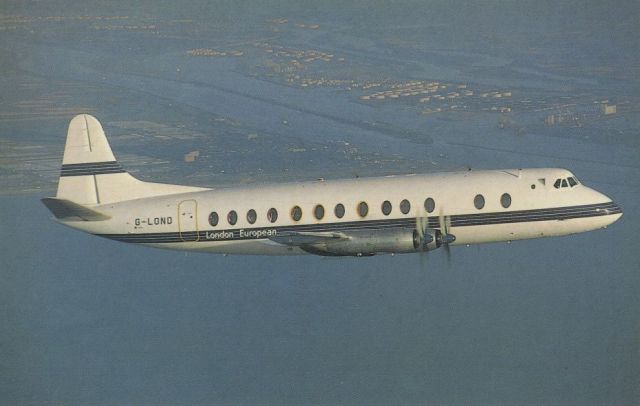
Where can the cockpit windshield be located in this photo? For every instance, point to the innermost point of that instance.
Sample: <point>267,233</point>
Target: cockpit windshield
<point>565,182</point>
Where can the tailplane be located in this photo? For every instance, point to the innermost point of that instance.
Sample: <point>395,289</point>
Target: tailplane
<point>67,210</point>
<point>91,175</point>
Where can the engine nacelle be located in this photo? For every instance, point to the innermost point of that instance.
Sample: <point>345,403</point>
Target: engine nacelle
<point>367,243</point>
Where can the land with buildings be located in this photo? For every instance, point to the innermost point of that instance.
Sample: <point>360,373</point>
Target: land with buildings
<point>285,99</point>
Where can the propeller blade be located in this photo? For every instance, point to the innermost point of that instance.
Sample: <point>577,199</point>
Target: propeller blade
<point>423,259</point>
<point>422,222</point>
<point>420,225</point>
<point>445,225</point>
<point>442,222</point>
<point>447,251</point>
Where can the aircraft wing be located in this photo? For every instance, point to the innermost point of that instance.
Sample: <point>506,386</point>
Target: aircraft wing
<point>361,242</point>
<point>299,239</point>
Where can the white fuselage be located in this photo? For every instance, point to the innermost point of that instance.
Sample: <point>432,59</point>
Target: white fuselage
<point>534,208</point>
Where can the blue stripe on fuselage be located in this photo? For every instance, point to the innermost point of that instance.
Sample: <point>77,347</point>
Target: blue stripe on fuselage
<point>462,220</point>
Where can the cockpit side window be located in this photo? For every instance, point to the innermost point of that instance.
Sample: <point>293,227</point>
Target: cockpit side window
<point>572,181</point>
<point>564,183</point>
<point>557,183</point>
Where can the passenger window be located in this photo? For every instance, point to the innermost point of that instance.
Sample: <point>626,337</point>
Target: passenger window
<point>272,215</point>
<point>505,200</point>
<point>572,182</point>
<point>318,212</point>
<point>232,217</point>
<point>363,209</point>
<point>386,207</point>
<point>564,183</point>
<point>296,213</point>
<point>339,210</point>
<point>213,219</point>
<point>405,206</point>
<point>429,205</point>
<point>557,183</point>
<point>251,216</point>
<point>478,201</point>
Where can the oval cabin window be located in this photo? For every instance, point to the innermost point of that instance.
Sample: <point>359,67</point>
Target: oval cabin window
<point>478,201</point>
<point>339,210</point>
<point>232,217</point>
<point>405,206</point>
<point>318,212</point>
<point>386,207</point>
<point>296,213</point>
<point>429,205</point>
<point>272,215</point>
<point>251,216</point>
<point>363,209</point>
<point>213,219</point>
<point>505,200</point>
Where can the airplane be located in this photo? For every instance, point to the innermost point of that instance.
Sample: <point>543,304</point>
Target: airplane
<point>348,217</point>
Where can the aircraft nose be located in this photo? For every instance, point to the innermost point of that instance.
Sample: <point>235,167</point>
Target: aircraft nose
<point>615,211</point>
<point>605,207</point>
<point>611,211</point>
<point>617,208</point>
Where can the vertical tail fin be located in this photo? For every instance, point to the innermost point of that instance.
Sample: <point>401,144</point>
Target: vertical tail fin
<point>91,175</point>
<point>87,159</point>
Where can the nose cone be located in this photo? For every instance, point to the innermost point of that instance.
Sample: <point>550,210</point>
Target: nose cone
<point>604,208</point>
<point>613,212</point>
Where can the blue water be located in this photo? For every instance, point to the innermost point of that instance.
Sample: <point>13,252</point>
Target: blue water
<point>91,321</point>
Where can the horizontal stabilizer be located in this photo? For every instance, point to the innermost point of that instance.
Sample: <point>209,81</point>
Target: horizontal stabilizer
<point>64,209</point>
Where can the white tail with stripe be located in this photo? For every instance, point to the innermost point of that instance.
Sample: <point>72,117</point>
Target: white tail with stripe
<point>91,175</point>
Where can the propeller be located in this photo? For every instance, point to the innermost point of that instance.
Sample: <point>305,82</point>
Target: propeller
<point>420,226</point>
<point>441,237</point>
<point>422,222</point>
<point>445,237</point>
<point>424,238</point>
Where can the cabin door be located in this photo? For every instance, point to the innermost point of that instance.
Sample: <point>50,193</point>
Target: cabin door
<point>188,220</point>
